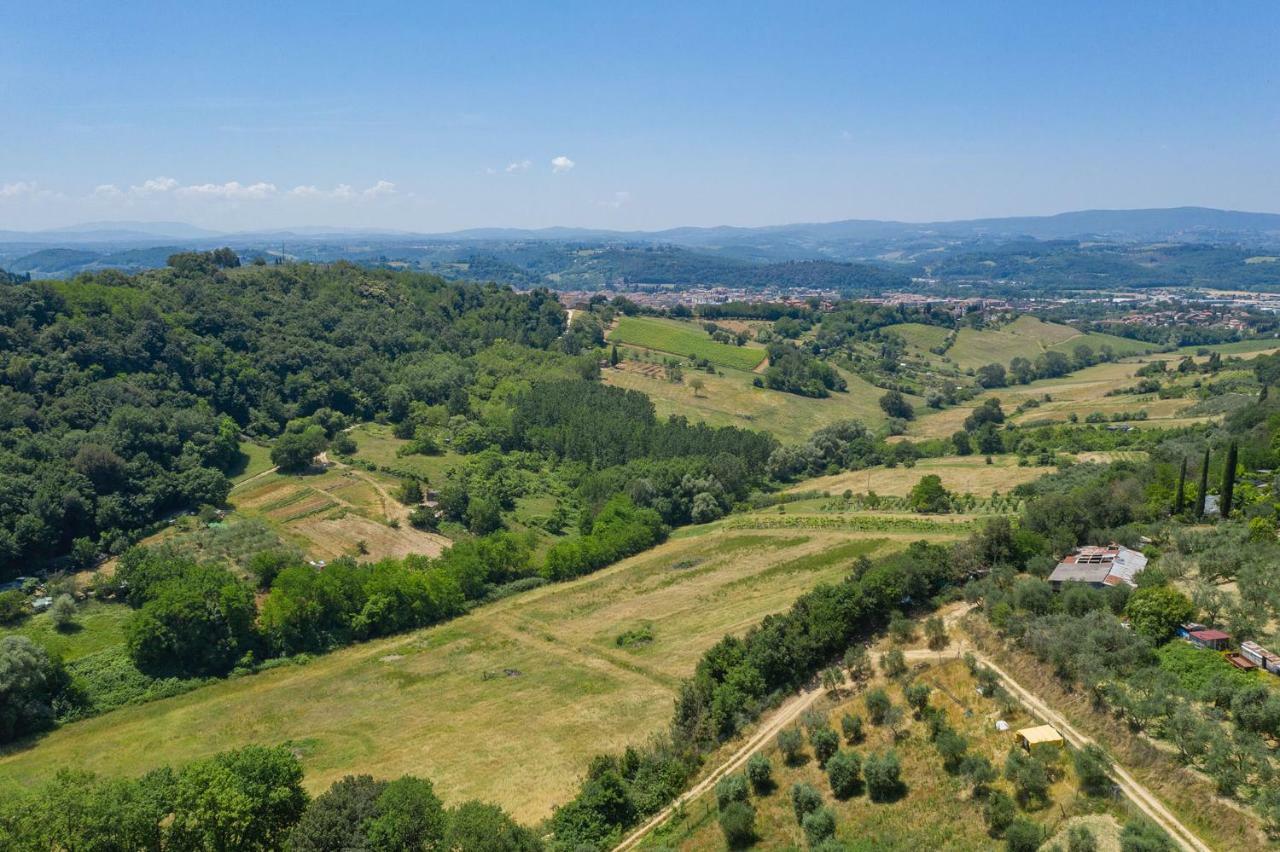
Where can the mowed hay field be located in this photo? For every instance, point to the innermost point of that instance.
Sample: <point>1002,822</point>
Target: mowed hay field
<point>684,339</point>
<point>731,400</point>
<point>937,810</point>
<point>1027,337</point>
<point>959,474</point>
<point>505,704</point>
<point>339,512</point>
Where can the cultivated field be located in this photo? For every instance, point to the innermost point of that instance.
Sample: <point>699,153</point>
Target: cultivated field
<point>505,704</point>
<point>937,810</point>
<point>731,400</point>
<point>342,511</point>
<point>684,339</point>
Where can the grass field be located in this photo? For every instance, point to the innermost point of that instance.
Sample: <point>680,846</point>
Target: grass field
<point>684,339</point>
<point>97,626</point>
<point>959,474</point>
<point>731,400</point>
<point>438,702</point>
<point>376,444</point>
<point>937,810</point>
<point>1028,337</point>
<point>919,335</point>
<point>254,459</point>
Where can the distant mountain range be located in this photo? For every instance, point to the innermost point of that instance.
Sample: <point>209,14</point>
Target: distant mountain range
<point>1156,223</point>
<point>1179,246</point>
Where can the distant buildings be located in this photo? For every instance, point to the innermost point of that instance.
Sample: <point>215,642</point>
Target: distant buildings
<point>1099,567</point>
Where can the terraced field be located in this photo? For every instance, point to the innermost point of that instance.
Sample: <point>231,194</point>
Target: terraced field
<point>340,512</point>
<point>684,339</point>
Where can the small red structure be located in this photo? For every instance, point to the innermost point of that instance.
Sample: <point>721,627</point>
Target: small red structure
<point>1241,662</point>
<point>1214,639</point>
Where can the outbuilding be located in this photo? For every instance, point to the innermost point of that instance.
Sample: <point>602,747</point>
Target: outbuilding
<point>1215,640</point>
<point>1040,735</point>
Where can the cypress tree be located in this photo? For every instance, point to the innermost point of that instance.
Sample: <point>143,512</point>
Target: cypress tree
<point>613,356</point>
<point>1228,481</point>
<point>1179,496</point>
<point>1204,484</point>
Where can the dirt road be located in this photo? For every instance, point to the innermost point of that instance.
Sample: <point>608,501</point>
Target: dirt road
<point>794,707</point>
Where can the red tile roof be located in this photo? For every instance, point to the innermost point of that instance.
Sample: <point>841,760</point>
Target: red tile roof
<point>1210,635</point>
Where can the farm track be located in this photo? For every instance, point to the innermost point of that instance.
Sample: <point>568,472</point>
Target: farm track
<point>791,710</point>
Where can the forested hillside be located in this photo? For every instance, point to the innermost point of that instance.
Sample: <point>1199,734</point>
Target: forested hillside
<point>123,398</point>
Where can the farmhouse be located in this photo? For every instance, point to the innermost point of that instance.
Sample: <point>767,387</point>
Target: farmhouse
<point>1099,567</point>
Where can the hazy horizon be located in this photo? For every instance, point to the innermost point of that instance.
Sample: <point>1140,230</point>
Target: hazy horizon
<point>438,119</point>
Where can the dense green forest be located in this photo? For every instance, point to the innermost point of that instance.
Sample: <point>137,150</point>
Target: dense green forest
<point>123,398</point>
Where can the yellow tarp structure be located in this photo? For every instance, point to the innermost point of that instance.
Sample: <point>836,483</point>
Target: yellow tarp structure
<point>1040,735</point>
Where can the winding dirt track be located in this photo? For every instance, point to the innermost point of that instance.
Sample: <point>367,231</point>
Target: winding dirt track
<point>1141,797</point>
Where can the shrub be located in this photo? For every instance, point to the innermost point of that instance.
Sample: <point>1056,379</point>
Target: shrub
<point>1023,835</point>
<point>884,776</point>
<point>760,774</point>
<point>738,822</point>
<point>731,788</point>
<point>805,799</point>
<point>998,813</point>
<point>63,612</point>
<point>30,682</point>
<point>953,748</point>
<point>894,663</point>
<point>917,695</point>
<point>13,606</point>
<point>818,826</point>
<point>844,771</point>
<point>852,727</point>
<point>878,704</point>
<point>1139,835</point>
<point>825,743</point>
<point>791,744</point>
<point>1093,770</point>
<point>1081,839</point>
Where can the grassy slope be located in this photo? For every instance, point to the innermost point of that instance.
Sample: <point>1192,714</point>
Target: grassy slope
<point>421,702</point>
<point>1027,337</point>
<point>731,400</point>
<point>684,339</point>
<point>959,474</point>
<point>919,335</point>
<point>1082,392</point>
<point>936,812</point>
<point>98,626</point>
<point>376,444</point>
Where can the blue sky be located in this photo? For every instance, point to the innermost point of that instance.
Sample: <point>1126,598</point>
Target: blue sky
<point>435,116</point>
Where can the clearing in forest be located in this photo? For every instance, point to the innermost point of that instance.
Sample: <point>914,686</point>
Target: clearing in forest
<point>684,339</point>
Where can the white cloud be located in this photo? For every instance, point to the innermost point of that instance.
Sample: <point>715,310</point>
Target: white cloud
<point>382,187</point>
<point>619,199</point>
<point>154,186</point>
<point>26,189</point>
<point>21,188</point>
<point>518,166</point>
<point>232,190</point>
<point>561,164</point>
<point>107,190</point>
